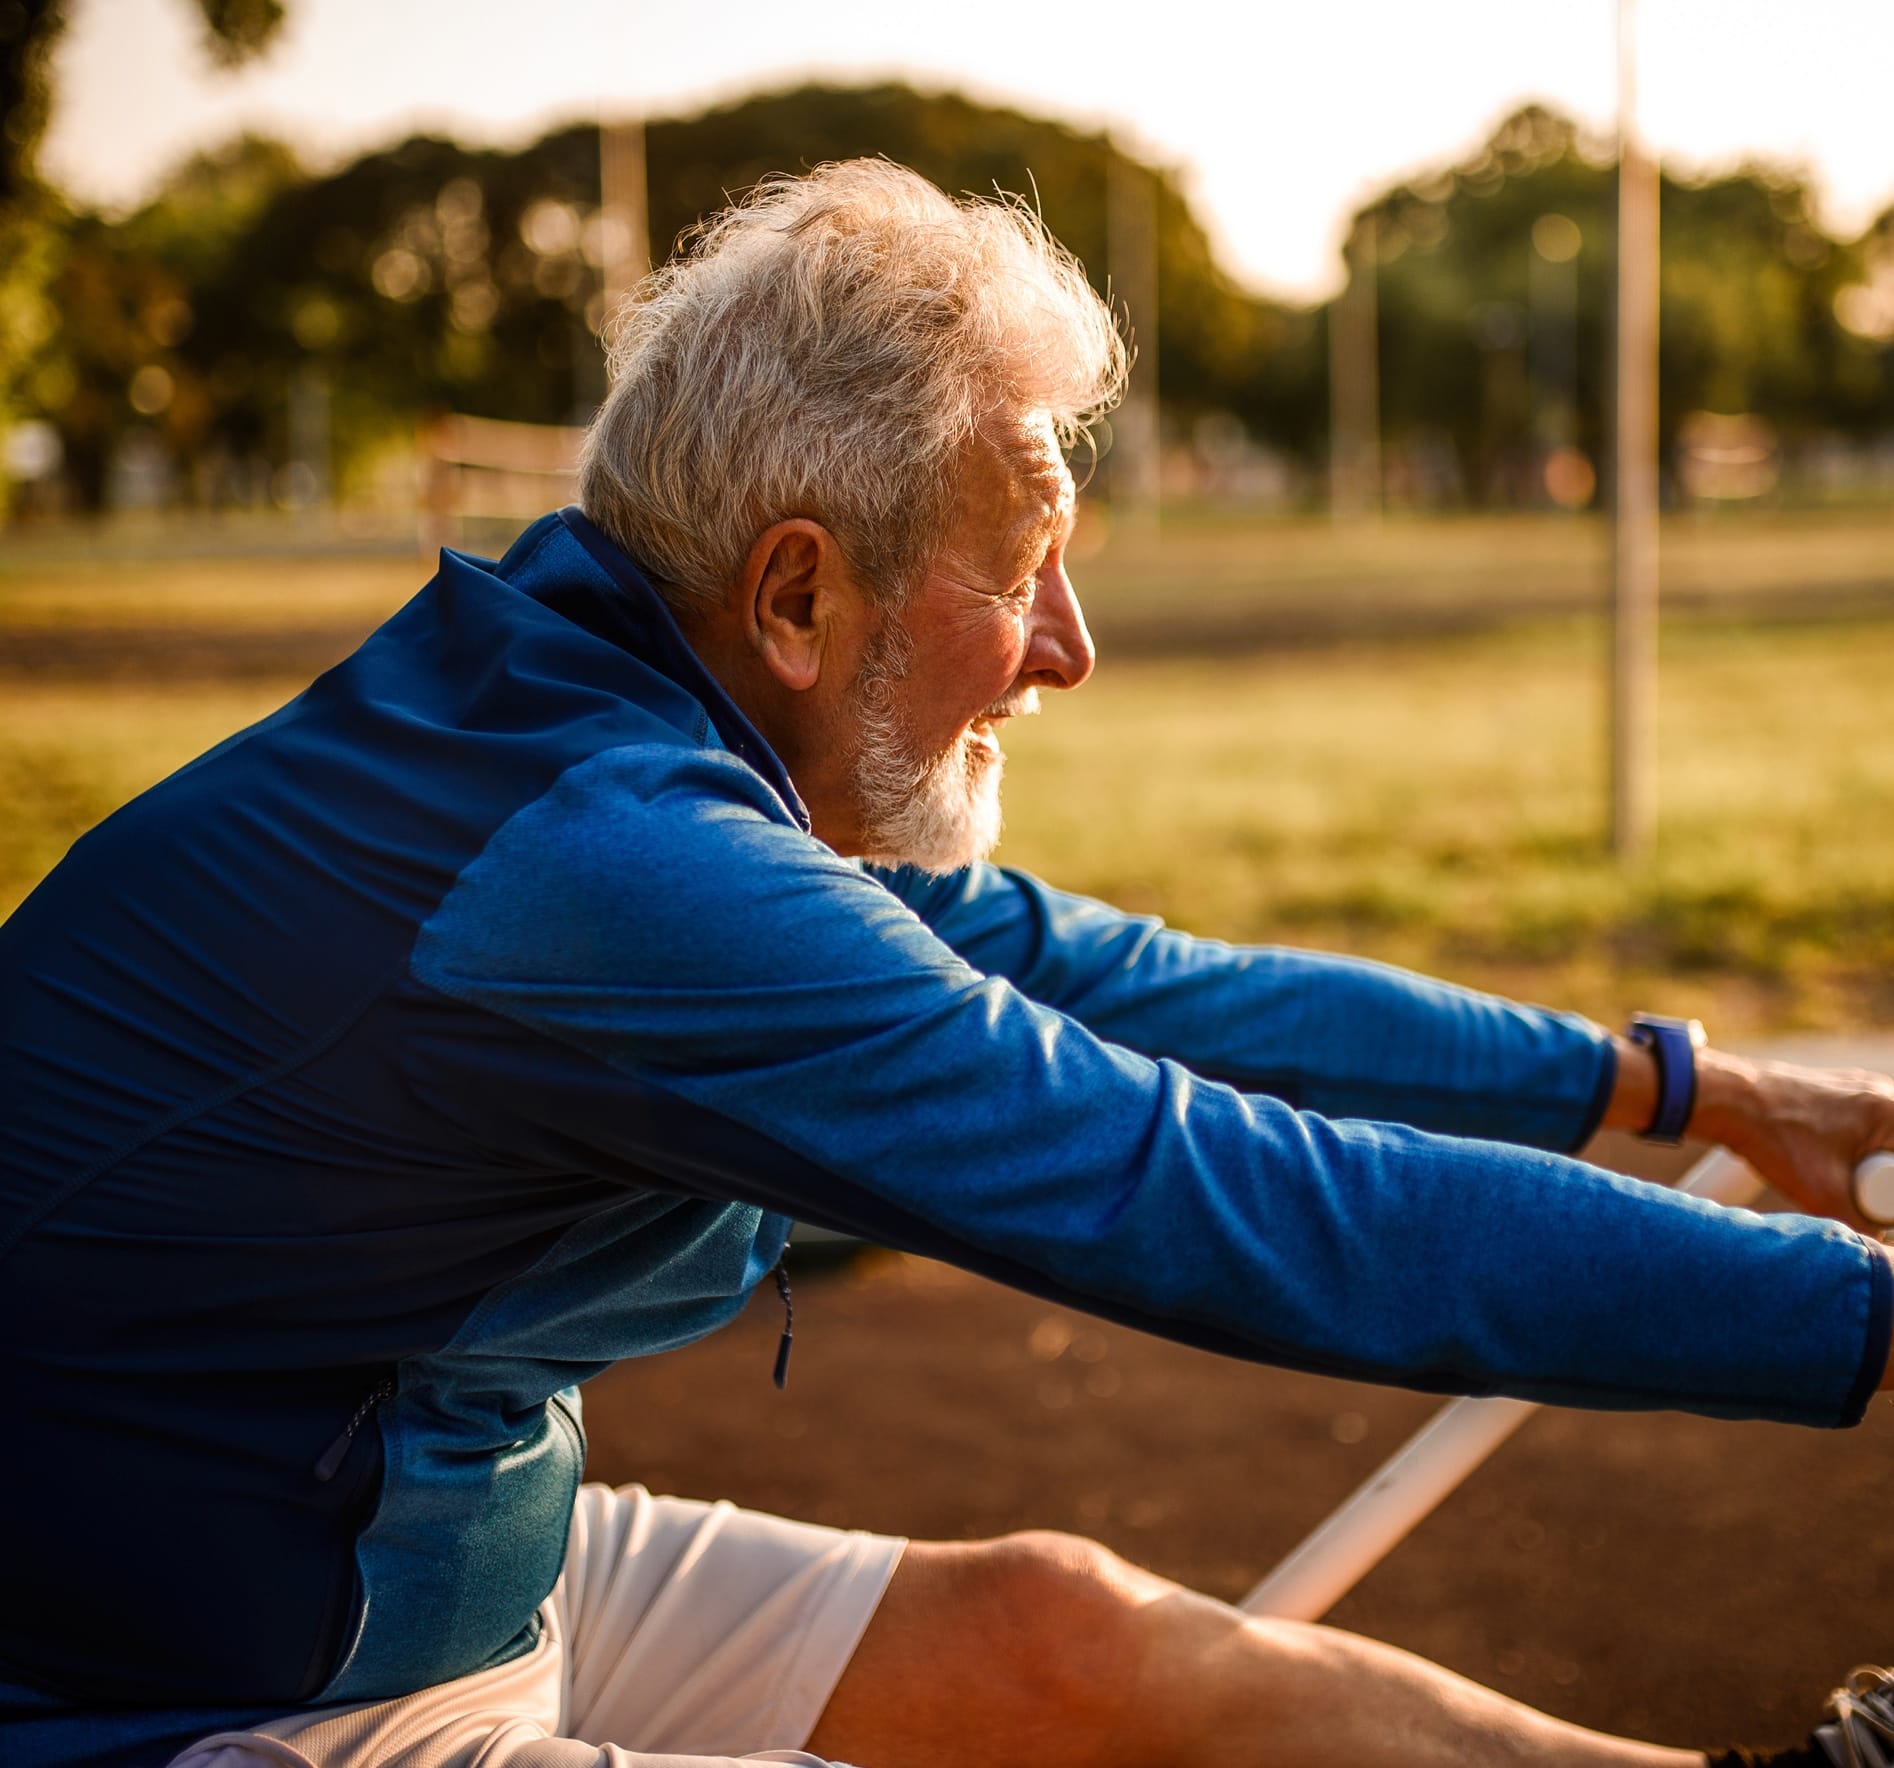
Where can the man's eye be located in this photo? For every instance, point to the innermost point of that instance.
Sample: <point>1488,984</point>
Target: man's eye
<point>1028,586</point>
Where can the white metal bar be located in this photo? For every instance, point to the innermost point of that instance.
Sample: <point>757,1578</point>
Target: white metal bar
<point>1432,1462</point>
<point>1383,1511</point>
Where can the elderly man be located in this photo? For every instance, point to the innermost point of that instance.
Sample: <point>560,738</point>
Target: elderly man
<point>483,1015</point>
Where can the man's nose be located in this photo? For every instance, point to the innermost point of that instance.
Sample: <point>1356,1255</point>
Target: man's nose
<point>1060,654</point>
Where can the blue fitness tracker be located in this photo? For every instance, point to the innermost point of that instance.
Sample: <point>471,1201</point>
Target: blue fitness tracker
<point>1673,1044</point>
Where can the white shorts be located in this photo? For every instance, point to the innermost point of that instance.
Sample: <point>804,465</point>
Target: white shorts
<point>679,1635</point>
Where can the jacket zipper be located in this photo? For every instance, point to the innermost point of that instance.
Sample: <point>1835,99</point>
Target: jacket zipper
<point>337,1452</point>
<point>789,1324</point>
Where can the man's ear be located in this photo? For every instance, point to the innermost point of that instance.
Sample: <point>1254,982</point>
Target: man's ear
<point>798,602</point>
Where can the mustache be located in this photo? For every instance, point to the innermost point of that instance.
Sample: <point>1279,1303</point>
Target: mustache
<point>1022,704</point>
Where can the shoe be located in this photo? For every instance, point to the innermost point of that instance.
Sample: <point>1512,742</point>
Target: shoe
<point>1861,1734</point>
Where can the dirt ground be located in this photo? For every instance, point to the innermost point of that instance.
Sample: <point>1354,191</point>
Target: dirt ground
<point>1691,1581</point>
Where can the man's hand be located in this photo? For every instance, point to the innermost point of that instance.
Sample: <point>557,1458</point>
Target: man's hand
<point>1803,1129</point>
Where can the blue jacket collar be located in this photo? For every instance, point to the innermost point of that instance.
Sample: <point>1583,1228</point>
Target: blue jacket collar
<point>638,620</point>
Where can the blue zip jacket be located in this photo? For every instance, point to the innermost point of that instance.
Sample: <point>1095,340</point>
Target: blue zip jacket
<point>484,1015</point>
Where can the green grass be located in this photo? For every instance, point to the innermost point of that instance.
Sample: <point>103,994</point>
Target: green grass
<point>1441,804</point>
<point>1436,800</point>
<point>71,753</point>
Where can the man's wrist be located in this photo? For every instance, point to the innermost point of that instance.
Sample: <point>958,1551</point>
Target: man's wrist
<point>1633,1089</point>
<point>1728,1097</point>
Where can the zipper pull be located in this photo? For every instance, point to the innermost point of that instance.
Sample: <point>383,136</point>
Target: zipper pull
<point>789,1326</point>
<point>337,1452</point>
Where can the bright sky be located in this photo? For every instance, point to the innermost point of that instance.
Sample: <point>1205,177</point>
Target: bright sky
<point>1282,114</point>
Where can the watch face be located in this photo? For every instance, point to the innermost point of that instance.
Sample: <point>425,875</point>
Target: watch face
<point>1645,1028</point>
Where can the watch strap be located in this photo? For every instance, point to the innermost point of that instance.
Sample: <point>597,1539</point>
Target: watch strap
<point>1673,1044</point>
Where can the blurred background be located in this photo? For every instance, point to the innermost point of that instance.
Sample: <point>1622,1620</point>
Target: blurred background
<point>321,282</point>
<point>293,292</point>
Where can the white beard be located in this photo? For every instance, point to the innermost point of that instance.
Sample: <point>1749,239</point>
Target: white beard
<point>938,813</point>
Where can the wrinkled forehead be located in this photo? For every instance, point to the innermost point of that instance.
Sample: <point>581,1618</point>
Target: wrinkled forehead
<point>1015,482</point>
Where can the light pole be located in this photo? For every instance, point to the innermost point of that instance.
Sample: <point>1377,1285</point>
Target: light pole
<point>624,218</point>
<point>1354,383</point>
<point>1131,251</point>
<point>1634,474</point>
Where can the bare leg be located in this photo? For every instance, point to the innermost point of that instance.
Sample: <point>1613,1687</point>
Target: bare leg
<point>1043,1650</point>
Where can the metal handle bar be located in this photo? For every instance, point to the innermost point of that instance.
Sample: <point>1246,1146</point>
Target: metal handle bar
<point>1874,1189</point>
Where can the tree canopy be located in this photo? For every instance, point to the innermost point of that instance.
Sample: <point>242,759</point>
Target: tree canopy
<point>1479,325</point>
<point>33,223</point>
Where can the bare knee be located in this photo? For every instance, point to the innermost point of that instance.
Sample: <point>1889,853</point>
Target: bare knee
<point>1074,1617</point>
<point>1031,1649</point>
<point>1120,1665</point>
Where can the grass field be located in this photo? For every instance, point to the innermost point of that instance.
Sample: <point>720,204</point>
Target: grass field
<point>1433,795</point>
<point>1439,803</point>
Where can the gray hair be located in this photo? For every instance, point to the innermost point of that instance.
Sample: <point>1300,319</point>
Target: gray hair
<point>829,348</point>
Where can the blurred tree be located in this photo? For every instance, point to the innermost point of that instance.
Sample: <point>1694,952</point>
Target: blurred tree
<point>28,230</point>
<point>131,346</point>
<point>1452,255</point>
<point>28,31</point>
<point>1748,313</point>
<point>1864,358</point>
<point>1748,318</point>
<point>430,276</point>
<point>407,281</point>
<point>235,30</point>
<point>32,221</point>
<point>1217,339</point>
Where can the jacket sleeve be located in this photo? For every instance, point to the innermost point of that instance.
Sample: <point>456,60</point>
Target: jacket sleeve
<point>1341,1036</point>
<point>742,1015</point>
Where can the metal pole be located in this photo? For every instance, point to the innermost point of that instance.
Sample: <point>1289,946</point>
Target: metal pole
<point>1384,1511</point>
<point>1634,474</point>
<point>1354,382</point>
<point>311,447</point>
<point>1131,249</point>
<point>626,235</point>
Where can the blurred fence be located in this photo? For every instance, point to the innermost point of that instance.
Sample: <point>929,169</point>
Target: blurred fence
<point>481,470</point>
